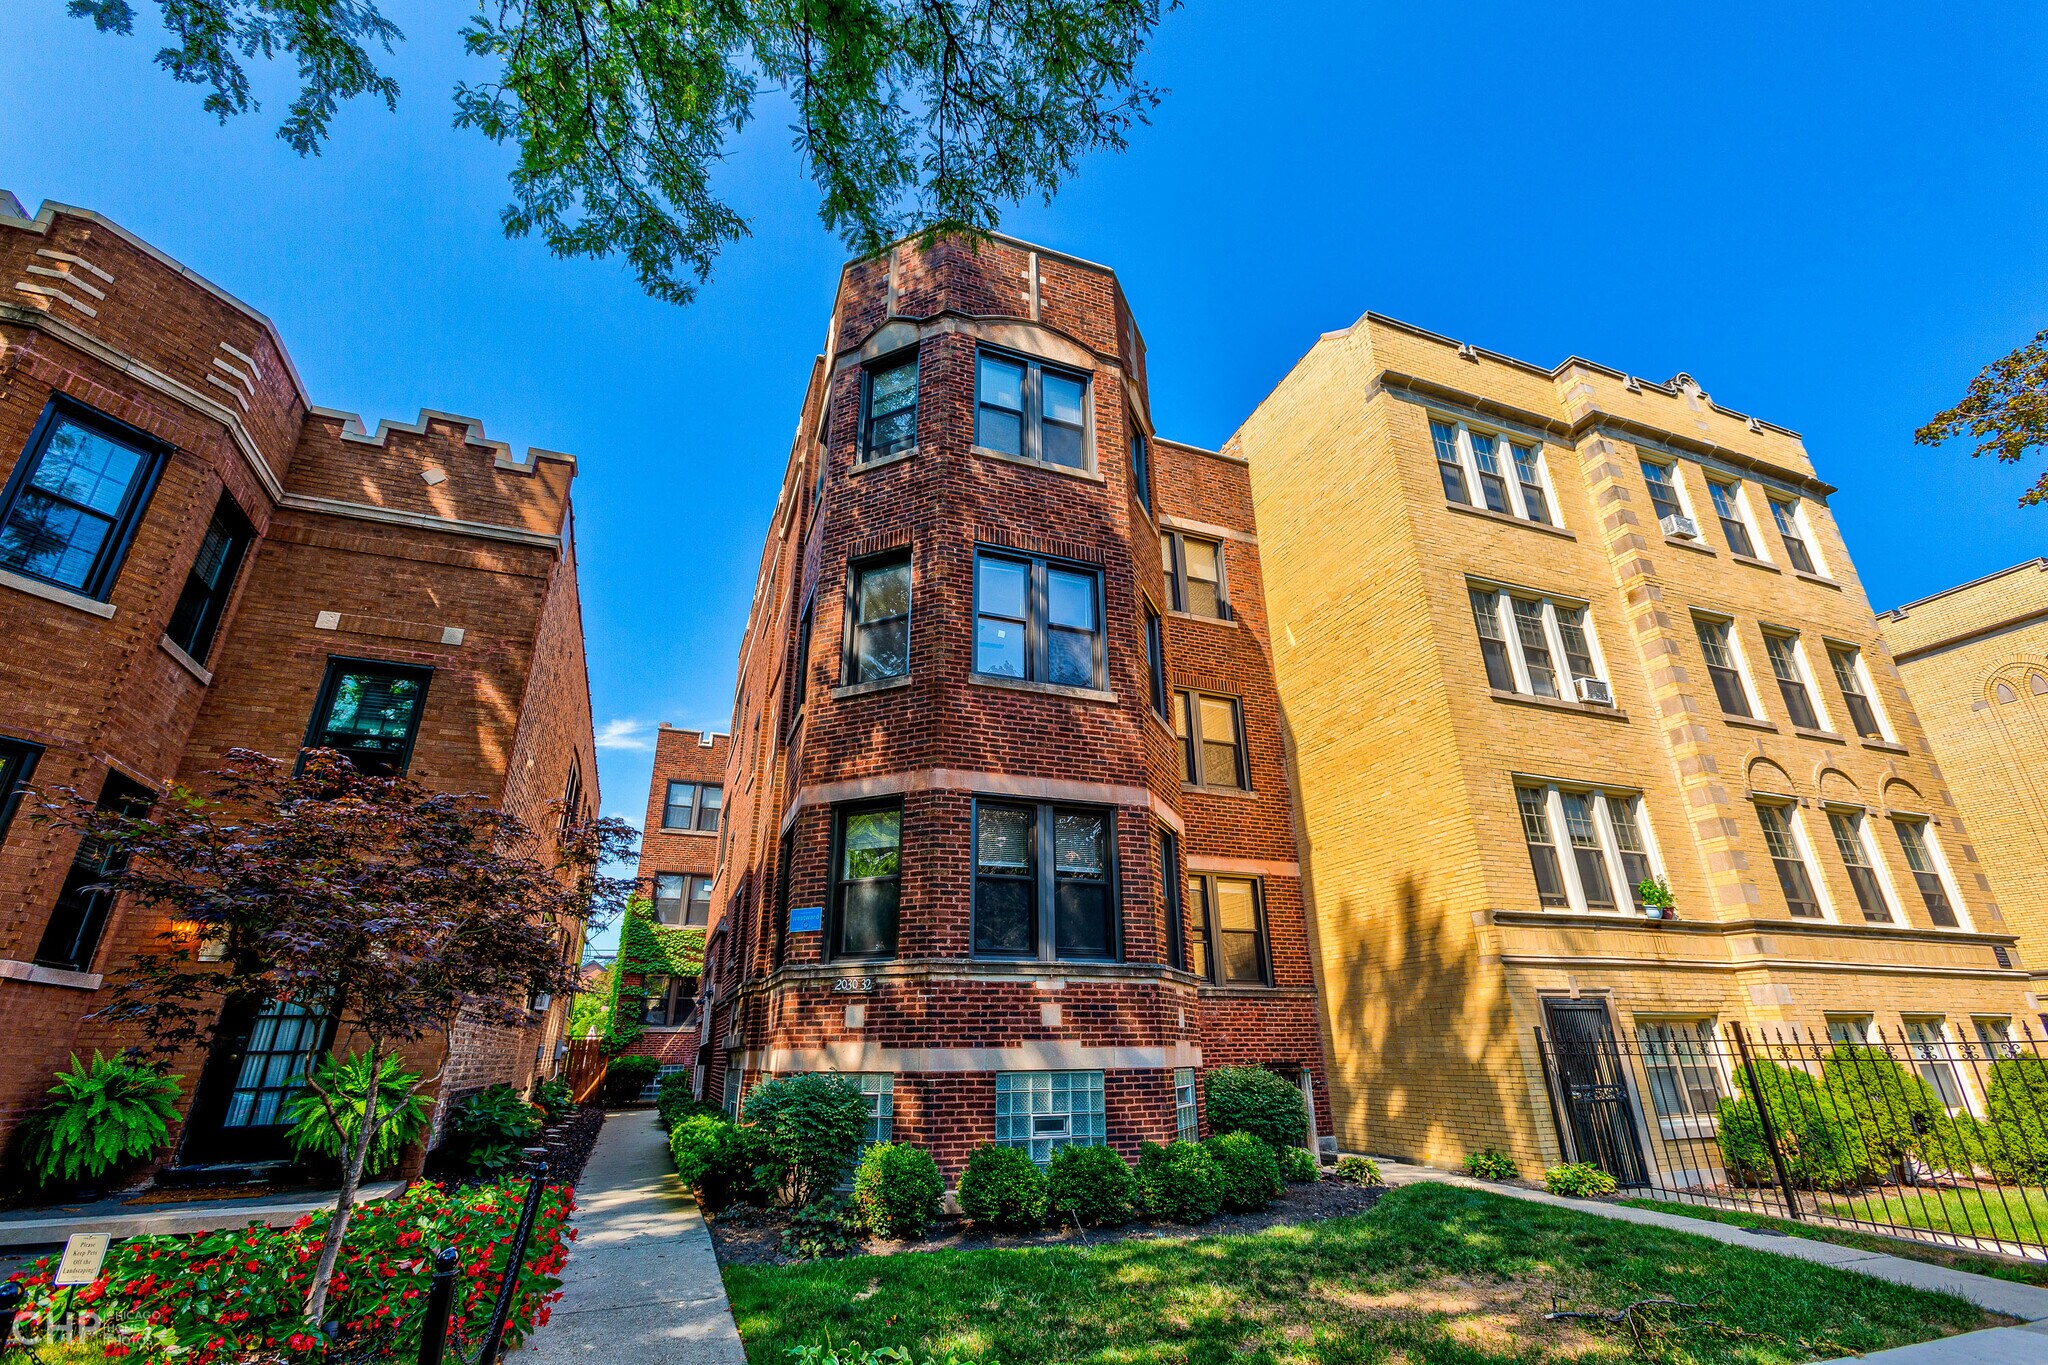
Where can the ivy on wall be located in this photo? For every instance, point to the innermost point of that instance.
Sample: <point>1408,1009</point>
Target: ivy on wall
<point>646,948</point>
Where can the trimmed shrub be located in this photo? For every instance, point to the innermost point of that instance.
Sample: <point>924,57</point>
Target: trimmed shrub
<point>814,1125</point>
<point>1251,1099</point>
<point>101,1118</point>
<point>491,1130</point>
<point>1820,1139</point>
<point>1180,1182</point>
<point>896,1190</point>
<point>2016,1140</point>
<point>721,1162</point>
<point>1002,1188</point>
<point>1251,1173</point>
<point>1091,1185</point>
<point>1897,1114</point>
<point>1491,1163</point>
<point>347,1084</point>
<point>1359,1170</point>
<point>673,1101</point>
<point>1578,1180</point>
<point>1298,1165</point>
<point>626,1077</point>
<point>554,1097</point>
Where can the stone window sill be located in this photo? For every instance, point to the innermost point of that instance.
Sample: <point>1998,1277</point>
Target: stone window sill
<point>1695,546</point>
<point>187,662</point>
<point>1229,621</point>
<point>1749,723</point>
<point>1049,689</point>
<point>1885,746</point>
<point>880,462</point>
<point>1821,579</point>
<point>1086,475</point>
<point>1829,736</point>
<point>63,597</point>
<point>1235,793</point>
<point>691,833</point>
<point>1512,520</point>
<point>865,689</point>
<point>1584,708</point>
<point>39,975</point>
<point>1755,563</point>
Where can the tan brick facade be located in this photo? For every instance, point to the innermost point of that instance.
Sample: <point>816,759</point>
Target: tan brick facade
<point>423,546</point>
<point>1976,660</point>
<point>1435,950</point>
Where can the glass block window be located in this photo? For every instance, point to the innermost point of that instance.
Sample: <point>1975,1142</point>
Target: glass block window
<point>1042,1111</point>
<point>1187,1121</point>
<point>878,1088</point>
<point>651,1091</point>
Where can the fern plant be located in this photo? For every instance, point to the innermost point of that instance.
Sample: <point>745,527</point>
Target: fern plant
<point>102,1117</point>
<point>347,1085</point>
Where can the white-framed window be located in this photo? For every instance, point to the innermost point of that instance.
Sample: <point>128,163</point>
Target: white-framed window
<point>1042,1111</point>
<point>1789,516</point>
<point>878,1088</point>
<point>1666,485</point>
<point>1679,1063</point>
<point>1732,510</point>
<point>1187,1118</point>
<point>1538,646</point>
<point>1859,697</point>
<point>1932,1051</point>
<point>1859,860</point>
<point>1495,470</point>
<point>735,1075</point>
<point>1603,832</point>
<point>1796,686</point>
<point>1726,666</point>
<point>1792,856</point>
<point>1851,1030</point>
<point>1929,868</point>
<point>651,1091</point>
<point>1995,1033</point>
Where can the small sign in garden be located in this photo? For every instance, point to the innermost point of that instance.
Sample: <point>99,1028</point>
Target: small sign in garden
<point>84,1254</point>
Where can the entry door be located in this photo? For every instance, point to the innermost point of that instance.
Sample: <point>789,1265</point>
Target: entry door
<point>261,1056</point>
<point>1594,1082</point>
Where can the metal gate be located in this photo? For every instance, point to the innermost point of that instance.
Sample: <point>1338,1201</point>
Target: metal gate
<point>1587,1073</point>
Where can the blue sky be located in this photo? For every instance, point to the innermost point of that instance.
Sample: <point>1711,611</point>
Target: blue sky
<point>1830,217</point>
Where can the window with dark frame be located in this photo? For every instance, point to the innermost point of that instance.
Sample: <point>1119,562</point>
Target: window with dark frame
<point>867,877</point>
<point>1227,930</point>
<point>1155,660</point>
<point>1037,620</point>
<point>17,768</point>
<point>671,1001</point>
<point>1211,733</point>
<point>1029,906</point>
<point>889,407</point>
<point>692,805</point>
<point>196,618</point>
<point>1032,410</point>
<point>1194,575</point>
<point>682,899</point>
<point>79,917</point>
<point>878,619</point>
<point>800,671</point>
<point>1141,465</point>
<point>370,711</point>
<point>1170,891</point>
<point>70,508</point>
<point>572,797</point>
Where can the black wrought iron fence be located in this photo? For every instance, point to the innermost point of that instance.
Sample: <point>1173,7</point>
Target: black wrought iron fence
<point>1917,1133</point>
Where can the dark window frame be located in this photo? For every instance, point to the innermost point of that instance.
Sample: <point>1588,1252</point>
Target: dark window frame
<point>339,665</point>
<point>1155,663</point>
<point>800,667</point>
<point>1192,770</point>
<point>1211,937</point>
<point>1038,612</point>
<point>908,356</point>
<point>850,636</point>
<point>207,602</point>
<point>1176,545</point>
<point>1031,437</point>
<point>689,898</point>
<point>18,759</point>
<point>1141,464</point>
<point>698,810</point>
<point>154,454</point>
<point>78,919</point>
<point>671,995</point>
<point>1043,878</point>
<point>841,814</point>
<point>1171,876</point>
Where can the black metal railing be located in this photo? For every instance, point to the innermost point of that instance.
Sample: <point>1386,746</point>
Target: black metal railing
<point>1917,1133</point>
<point>441,1332</point>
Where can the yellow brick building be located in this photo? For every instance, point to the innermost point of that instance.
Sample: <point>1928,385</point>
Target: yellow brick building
<point>1541,635</point>
<point>1976,660</point>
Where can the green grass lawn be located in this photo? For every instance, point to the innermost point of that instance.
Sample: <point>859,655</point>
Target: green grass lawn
<point>2022,1272</point>
<point>1432,1275</point>
<point>2009,1214</point>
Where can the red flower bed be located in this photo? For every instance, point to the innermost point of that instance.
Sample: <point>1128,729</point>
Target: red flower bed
<point>226,1295</point>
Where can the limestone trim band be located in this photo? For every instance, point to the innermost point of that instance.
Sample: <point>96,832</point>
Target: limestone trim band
<point>1039,1056</point>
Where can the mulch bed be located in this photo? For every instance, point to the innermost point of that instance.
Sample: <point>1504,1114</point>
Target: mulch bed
<point>750,1236</point>
<point>570,1141</point>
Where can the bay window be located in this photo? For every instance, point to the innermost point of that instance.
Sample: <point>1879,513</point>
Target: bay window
<point>1031,410</point>
<point>1029,905</point>
<point>1037,620</point>
<point>867,875</point>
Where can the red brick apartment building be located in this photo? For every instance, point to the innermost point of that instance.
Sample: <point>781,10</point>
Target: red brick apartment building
<point>1007,831</point>
<point>193,558</point>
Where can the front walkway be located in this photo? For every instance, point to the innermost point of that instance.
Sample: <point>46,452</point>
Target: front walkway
<point>642,1281</point>
<point>1999,1346</point>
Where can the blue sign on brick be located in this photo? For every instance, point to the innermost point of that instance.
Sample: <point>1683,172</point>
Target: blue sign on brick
<point>806,919</point>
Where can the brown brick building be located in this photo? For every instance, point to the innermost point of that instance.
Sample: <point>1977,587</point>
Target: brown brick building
<point>1542,634</point>
<point>1006,822</point>
<point>193,558</point>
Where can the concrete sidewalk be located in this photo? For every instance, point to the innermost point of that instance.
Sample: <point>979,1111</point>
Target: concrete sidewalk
<point>1999,1346</point>
<point>642,1281</point>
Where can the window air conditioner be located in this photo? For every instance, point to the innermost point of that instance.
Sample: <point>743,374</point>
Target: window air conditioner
<point>1685,528</point>
<point>1596,691</point>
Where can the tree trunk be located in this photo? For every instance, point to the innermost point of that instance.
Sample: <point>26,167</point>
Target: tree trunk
<point>344,1203</point>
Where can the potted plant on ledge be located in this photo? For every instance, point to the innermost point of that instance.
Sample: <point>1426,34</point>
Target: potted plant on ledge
<point>1654,895</point>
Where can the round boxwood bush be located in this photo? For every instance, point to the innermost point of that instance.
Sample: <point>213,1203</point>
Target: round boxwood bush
<point>1002,1188</point>
<point>1091,1185</point>
<point>896,1190</point>
<point>1251,1173</point>
<point>2016,1143</point>
<point>1179,1183</point>
<point>1578,1180</point>
<point>1298,1165</point>
<point>722,1162</point>
<point>1251,1099</point>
